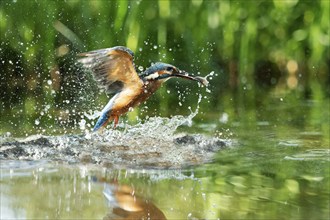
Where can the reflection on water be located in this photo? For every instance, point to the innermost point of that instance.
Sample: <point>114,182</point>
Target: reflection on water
<point>45,190</point>
<point>126,204</point>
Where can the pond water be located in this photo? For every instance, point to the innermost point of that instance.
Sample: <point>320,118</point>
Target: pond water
<point>271,169</point>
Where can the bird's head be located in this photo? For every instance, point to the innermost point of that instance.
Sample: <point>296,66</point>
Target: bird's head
<point>163,71</point>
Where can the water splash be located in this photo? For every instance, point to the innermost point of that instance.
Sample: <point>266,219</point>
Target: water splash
<point>161,128</point>
<point>153,143</point>
<point>157,127</point>
<point>210,76</point>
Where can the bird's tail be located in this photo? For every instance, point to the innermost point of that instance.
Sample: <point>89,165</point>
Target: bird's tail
<point>106,115</point>
<point>101,122</point>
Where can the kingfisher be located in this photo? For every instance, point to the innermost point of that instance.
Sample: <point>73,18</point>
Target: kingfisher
<point>114,70</point>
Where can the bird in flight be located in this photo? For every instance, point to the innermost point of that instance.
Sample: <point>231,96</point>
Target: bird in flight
<point>114,70</point>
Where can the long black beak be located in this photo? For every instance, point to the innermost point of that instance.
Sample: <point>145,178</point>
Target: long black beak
<point>185,75</point>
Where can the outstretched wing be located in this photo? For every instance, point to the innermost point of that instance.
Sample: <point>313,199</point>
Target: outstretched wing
<point>113,68</point>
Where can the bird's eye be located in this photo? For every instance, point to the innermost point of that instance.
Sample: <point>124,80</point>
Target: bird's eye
<point>169,69</point>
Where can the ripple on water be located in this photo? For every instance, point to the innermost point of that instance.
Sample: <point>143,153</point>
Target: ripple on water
<point>308,155</point>
<point>12,168</point>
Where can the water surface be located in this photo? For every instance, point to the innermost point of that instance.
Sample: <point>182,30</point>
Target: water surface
<point>270,169</point>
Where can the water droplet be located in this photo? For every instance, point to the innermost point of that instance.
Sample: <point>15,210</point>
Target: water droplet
<point>140,68</point>
<point>36,122</point>
<point>224,118</point>
<point>82,124</point>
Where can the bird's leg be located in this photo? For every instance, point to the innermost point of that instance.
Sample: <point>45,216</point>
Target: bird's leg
<point>115,120</point>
